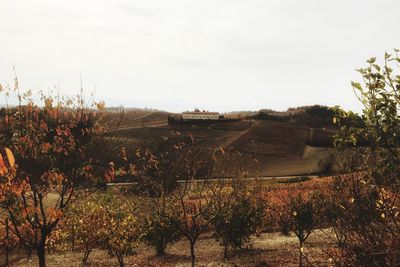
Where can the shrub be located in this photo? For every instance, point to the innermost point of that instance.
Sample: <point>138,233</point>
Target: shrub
<point>302,215</point>
<point>365,202</point>
<point>193,208</point>
<point>105,222</point>
<point>122,234</point>
<point>50,144</point>
<point>159,232</point>
<point>241,218</point>
<point>86,224</point>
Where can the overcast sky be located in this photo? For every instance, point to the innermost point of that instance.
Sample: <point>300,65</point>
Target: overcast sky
<point>218,55</point>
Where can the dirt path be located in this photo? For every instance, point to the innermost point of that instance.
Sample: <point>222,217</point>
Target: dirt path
<point>233,138</point>
<point>266,178</point>
<point>267,249</point>
<point>138,126</point>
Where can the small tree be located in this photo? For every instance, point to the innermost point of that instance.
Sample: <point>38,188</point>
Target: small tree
<point>159,232</point>
<point>196,203</point>
<point>103,221</point>
<point>49,144</point>
<point>302,215</point>
<point>192,211</point>
<point>122,229</point>
<point>365,199</point>
<point>85,223</point>
<point>156,182</point>
<point>181,210</point>
<point>241,217</point>
<point>193,208</point>
<point>7,169</point>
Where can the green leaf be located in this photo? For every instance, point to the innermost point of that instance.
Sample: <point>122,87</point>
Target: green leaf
<point>387,55</point>
<point>371,60</point>
<point>357,85</point>
<point>377,67</point>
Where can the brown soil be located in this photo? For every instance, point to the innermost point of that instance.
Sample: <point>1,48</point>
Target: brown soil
<point>263,148</point>
<point>268,249</point>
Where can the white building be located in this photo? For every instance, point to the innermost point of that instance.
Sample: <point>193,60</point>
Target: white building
<point>198,115</point>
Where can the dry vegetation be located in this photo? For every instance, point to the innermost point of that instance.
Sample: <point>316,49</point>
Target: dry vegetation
<point>266,248</point>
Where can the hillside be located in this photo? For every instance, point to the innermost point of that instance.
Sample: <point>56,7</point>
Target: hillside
<point>259,147</point>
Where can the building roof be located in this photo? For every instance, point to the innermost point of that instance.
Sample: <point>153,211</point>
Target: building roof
<point>200,113</point>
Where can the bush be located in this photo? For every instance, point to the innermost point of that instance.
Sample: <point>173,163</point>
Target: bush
<point>240,219</point>
<point>158,232</point>
<point>365,220</point>
<point>122,234</point>
<point>105,222</point>
<point>86,224</point>
<point>302,215</point>
<point>50,143</point>
<point>364,211</point>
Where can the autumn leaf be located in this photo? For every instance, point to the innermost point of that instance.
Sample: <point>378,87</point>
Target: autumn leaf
<point>48,103</point>
<point>3,167</point>
<point>191,138</point>
<point>10,157</point>
<point>100,105</point>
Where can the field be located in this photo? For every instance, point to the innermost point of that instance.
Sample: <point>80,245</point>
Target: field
<point>135,119</point>
<point>261,148</point>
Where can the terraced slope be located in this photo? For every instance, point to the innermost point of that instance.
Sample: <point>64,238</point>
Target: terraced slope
<point>261,148</point>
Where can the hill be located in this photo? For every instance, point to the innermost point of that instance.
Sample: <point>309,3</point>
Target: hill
<point>259,147</point>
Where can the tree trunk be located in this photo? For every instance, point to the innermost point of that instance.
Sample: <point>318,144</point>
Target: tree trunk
<point>30,253</point>
<point>86,254</point>
<point>192,253</point>
<point>225,251</point>
<point>73,239</point>
<point>120,260</point>
<point>41,253</point>
<point>160,247</point>
<point>300,254</point>
<point>7,261</point>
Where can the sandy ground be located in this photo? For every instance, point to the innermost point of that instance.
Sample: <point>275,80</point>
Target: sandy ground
<point>268,249</point>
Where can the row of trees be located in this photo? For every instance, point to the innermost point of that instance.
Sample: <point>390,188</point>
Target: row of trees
<point>229,211</point>
<point>118,224</point>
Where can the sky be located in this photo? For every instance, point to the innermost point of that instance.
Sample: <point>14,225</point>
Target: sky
<point>175,55</point>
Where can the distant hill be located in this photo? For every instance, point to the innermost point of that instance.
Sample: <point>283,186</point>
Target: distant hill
<point>312,116</point>
<point>119,120</point>
<point>259,146</point>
